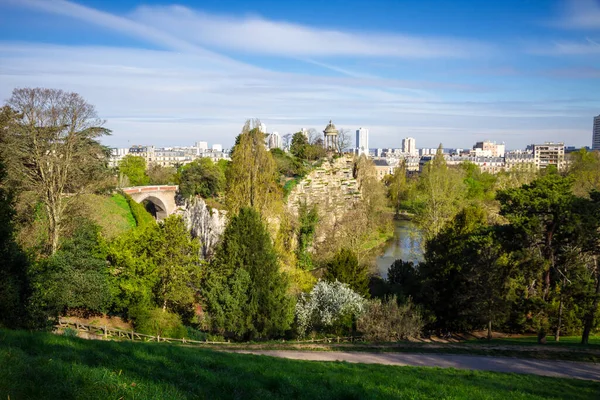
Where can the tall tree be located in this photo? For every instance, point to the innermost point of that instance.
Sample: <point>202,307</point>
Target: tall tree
<point>134,168</point>
<point>300,145</point>
<point>441,191</point>
<point>14,289</point>
<point>541,215</point>
<point>398,186</point>
<point>252,175</point>
<point>245,293</point>
<point>54,150</point>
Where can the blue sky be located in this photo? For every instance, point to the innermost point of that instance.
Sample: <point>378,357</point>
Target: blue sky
<point>451,72</point>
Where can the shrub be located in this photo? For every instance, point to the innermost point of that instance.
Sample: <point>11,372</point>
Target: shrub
<point>386,321</point>
<point>159,322</point>
<point>330,306</point>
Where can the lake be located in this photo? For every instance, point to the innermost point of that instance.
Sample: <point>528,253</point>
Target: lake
<point>405,245</point>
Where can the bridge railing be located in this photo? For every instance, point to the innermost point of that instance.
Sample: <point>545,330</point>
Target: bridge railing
<point>151,188</point>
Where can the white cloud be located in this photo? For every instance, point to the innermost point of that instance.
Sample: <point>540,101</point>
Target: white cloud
<point>256,35</point>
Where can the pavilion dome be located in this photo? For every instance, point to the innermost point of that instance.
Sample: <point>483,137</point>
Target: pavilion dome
<point>330,129</point>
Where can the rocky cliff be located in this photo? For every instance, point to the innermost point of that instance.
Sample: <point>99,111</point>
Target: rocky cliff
<point>205,223</point>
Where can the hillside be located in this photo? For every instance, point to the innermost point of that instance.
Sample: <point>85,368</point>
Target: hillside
<point>47,366</point>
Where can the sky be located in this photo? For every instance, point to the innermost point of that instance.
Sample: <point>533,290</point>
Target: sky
<point>451,72</point>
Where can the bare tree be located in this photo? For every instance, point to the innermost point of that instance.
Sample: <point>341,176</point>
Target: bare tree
<point>313,135</point>
<point>344,140</point>
<point>54,151</point>
<point>287,140</point>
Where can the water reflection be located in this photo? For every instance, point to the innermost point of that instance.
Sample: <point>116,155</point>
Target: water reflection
<point>406,245</point>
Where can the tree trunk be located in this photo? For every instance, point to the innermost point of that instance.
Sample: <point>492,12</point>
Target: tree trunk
<point>589,318</point>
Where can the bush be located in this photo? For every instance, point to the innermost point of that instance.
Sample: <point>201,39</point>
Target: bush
<point>386,321</point>
<point>330,307</point>
<point>159,322</point>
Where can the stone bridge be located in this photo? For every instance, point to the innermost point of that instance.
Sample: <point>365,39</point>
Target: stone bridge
<point>159,200</point>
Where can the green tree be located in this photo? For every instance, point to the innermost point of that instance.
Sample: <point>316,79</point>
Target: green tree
<point>300,145</point>
<point>202,177</point>
<point>308,220</point>
<point>134,168</point>
<point>465,274</point>
<point>440,192</point>
<point>53,151</point>
<point>155,265</point>
<point>344,267</point>
<point>14,289</point>
<point>159,175</point>
<point>585,170</point>
<point>404,279</point>
<point>75,278</point>
<point>252,175</point>
<point>541,215</point>
<point>398,186</point>
<point>245,293</point>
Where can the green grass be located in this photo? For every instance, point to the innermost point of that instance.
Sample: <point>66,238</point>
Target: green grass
<point>46,366</point>
<point>111,213</point>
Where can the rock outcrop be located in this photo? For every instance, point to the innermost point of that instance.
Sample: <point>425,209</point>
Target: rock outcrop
<point>205,223</point>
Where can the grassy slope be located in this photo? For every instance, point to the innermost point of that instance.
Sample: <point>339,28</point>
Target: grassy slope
<point>41,365</point>
<point>112,213</point>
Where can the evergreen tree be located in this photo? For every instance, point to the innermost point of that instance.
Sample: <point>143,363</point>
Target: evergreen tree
<point>14,288</point>
<point>252,175</point>
<point>245,292</point>
<point>344,267</point>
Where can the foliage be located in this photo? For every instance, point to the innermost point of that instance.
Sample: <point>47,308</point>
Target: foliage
<point>330,306</point>
<point>140,215</point>
<point>397,187</point>
<point>299,146</point>
<point>480,185</point>
<point>54,151</point>
<point>404,279</point>
<point>134,168</point>
<point>386,321</point>
<point>14,289</point>
<point>585,170</point>
<point>465,274</point>
<point>75,278</point>
<point>161,175</point>
<point>308,220</point>
<point>155,265</point>
<point>252,175</point>
<point>159,322</point>
<point>202,177</point>
<point>441,191</point>
<point>344,267</point>
<point>245,293</point>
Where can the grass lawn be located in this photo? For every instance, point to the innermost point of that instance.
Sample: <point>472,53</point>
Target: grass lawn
<point>46,366</point>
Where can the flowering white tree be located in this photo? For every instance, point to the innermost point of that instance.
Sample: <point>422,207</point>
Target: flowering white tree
<point>327,304</point>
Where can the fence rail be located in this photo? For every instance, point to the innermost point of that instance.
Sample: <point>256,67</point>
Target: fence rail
<point>120,334</point>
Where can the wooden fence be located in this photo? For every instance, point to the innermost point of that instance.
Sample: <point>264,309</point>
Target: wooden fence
<point>108,333</point>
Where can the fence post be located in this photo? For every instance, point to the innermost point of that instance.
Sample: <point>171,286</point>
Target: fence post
<point>338,339</point>
<point>132,336</point>
<point>105,333</point>
<point>158,337</point>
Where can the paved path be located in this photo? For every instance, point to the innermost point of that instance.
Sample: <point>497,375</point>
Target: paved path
<point>563,369</point>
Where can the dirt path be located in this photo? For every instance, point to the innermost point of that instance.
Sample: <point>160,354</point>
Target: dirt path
<point>562,369</point>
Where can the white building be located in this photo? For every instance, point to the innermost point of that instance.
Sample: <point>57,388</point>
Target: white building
<point>274,141</point>
<point>201,146</point>
<point>409,146</point>
<point>362,141</point>
<point>217,147</point>
<point>116,155</point>
<point>262,127</point>
<point>488,149</point>
<point>596,134</point>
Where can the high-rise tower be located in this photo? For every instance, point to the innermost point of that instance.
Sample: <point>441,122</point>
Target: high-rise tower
<point>362,141</point>
<point>596,134</point>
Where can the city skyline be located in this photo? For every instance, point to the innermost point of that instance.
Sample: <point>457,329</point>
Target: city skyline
<point>437,71</point>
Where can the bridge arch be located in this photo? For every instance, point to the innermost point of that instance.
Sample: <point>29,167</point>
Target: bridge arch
<point>158,200</point>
